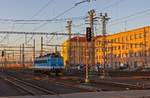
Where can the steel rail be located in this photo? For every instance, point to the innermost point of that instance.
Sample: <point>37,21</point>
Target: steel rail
<point>26,85</point>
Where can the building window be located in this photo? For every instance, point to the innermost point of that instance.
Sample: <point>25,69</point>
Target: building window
<point>99,42</point>
<point>109,48</point>
<point>127,55</point>
<point>112,40</point>
<point>131,37</point>
<point>140,35</point>
<point>114,48</point>
<point>115,55</point>
<point>123,47</point>
<point>131,45</point>
<point>118,39</point>
<point>127,46</point>
<point>135,36</point>
<point>123,55</point>
<point>99,50</point>
<point>127,38</point>
<point>135,54</point>
<point>99,57</point>
<point>136,45</point>
<point>115,40</point>
<point>141,45</point>
<point>140,53</point>
<point>118,47</point>
<point>119,55</point>
<point>122,39</point>
<point>96,50</point>
<point>130,54</point>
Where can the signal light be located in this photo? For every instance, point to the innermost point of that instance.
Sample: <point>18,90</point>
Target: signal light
<point>88,34</point>
<point>3,53</point>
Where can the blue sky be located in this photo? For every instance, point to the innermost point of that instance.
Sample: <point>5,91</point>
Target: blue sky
<point>25,9</point>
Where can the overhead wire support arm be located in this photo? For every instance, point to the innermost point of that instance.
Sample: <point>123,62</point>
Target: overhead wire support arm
<point>2,46</point>
<point>37,33</point>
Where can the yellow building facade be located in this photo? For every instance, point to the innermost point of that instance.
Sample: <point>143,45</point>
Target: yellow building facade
<point>77,51</point>
<point>131,47</point>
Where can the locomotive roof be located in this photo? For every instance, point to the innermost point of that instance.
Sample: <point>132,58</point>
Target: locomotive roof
<point>50,55</point>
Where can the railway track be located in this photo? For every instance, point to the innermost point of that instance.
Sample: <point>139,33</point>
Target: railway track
<point>60,82</point>
<point>27,87</point>
<point>111,84</point>
<point>99,85</point>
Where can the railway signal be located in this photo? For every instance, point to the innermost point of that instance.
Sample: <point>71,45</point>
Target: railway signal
<point>88,34</point>
<point>3,53</point>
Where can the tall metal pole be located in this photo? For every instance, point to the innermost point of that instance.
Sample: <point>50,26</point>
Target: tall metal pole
<point>8,55</point>
<point>145,48</point>
<point>92,46</point>
<point>23,56</point>
<point>5,63</point>
<point>2,60</point>
<point>33,50</point>
<point>87,63</point>
<point>56,50</point>
<point>78,49</point>
<point>69,28</point>
<point>41,46</point>
<point>14,57</point>
<point>20,54</point>
<point>104,18</point>
<point>25,39</point>
<point>92,19</point>
<point>111,55</point>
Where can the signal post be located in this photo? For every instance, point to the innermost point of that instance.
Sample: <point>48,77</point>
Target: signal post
<point>88,39</point>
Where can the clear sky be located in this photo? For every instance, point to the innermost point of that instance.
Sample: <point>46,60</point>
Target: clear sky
<point>27,9</point>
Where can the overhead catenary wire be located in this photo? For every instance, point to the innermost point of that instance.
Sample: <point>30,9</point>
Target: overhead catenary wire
<point>119,19</point>
<point>52,37</point>
<point>46,22</point>
<point>111,5</point>
<point>37,13</point>
<point>42,8</point>
<point>128,18</point>
<point>61,14</point>
<point>53,18</point>
<point>131,15</point>
<point>5,37</point>
<point>36,21</point>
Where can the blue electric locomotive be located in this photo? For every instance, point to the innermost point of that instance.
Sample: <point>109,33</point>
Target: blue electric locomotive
<point>49,63</point>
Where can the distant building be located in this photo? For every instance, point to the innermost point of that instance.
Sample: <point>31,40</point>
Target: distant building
<point>131,48</point>
<point>77,51</point>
